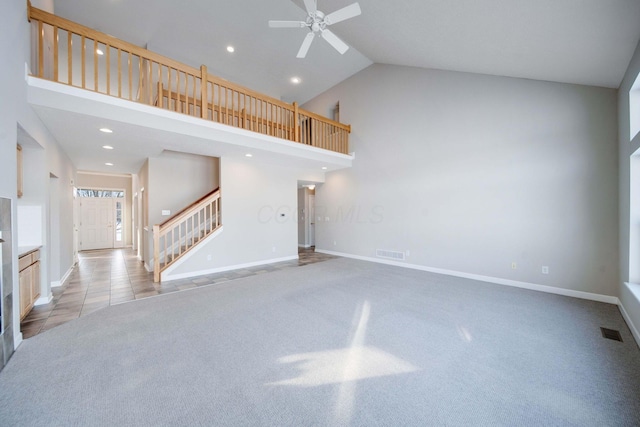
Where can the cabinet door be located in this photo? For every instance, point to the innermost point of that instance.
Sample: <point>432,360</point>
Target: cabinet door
<point>25,279</point>
<point>35,282</point>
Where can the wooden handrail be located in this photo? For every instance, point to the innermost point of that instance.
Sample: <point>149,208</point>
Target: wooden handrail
<point>137,74</point>
<point>56,21</point>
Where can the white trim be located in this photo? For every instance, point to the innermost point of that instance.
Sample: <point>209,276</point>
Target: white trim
<point>17,340</point>
<point>119,175</point>
<point>507,282</point>
<point>304,246</point>
<point>632,327</point>
<point>44,300</point>
<point>227,268</point>
<point>64,278</point>
<point>148,267</point>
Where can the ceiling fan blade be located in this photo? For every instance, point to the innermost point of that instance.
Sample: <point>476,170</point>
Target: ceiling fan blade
<point>342,14</point>
<point>306,44</point>
<point>335,41</point>
<point>287,24</point>
<point>311,6</point>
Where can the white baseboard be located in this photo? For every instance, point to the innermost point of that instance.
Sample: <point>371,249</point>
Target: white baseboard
<point>506,282</point>
<point>64,278</point>
<point>44,300</point>
<point>169,278</point>
<point>632,327</point>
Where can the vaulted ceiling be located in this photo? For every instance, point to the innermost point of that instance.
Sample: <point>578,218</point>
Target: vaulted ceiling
<point>574,41</point>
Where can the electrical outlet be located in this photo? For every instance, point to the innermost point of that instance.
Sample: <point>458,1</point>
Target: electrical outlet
<point>209,257</point>
<point>335,243</point>
<point>545,269</point>
<point>514,265</point>
<point>273,249</point>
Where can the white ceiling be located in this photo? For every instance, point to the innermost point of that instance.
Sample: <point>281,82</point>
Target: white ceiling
<point>575,41</point>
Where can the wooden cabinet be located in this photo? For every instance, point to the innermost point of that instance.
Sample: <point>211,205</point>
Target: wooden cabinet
<point>29,278</point>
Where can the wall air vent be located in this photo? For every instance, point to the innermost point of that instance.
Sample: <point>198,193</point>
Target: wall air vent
<point>394,255</point>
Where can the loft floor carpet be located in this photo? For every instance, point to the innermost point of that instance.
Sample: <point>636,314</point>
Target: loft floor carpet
<point>342,342</point>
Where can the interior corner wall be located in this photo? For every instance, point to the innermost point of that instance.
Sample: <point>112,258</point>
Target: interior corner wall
<point>471,173</point>
<point>178,179</point>
<point>15,54</point>
<point>627,148</point>
<point>259,203</point>
<point>88,180</point>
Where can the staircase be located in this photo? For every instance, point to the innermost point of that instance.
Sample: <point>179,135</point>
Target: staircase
<point>184,231</point>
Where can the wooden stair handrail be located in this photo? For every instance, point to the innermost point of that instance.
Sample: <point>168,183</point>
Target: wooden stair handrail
<point>184,213</point>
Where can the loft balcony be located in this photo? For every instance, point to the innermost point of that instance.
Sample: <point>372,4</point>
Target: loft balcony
<point>74,68</point>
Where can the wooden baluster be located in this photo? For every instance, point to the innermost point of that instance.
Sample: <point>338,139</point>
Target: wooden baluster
<point>55,53</point>
<point>296,123</point>
<point>108,53</point>
<point>140,96</point>
<point>69,57</point>
<point>204,103</point>
<point>170,89</point>
<point>83,47</point>
<point>130,77</point>
<point>160,95</point>
<point>40,50</point>
<point>119,73</point>
<point>194,95</point>
<point>156,253</point>
<point>95,65</point>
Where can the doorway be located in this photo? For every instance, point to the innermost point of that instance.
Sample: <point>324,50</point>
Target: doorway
<point>306,215</point>
<point>101,219</point>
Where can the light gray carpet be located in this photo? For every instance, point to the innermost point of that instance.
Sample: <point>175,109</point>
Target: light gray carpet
<point>342,342</point>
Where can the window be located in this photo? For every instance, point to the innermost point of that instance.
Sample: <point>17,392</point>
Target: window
<point>85,192</point>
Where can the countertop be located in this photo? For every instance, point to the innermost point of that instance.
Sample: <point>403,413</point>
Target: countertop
<point>24,250</point>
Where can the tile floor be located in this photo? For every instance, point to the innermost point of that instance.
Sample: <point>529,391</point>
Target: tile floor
<point>112,276</point>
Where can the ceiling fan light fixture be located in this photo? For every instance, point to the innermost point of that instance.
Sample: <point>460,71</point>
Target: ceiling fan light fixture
<point>231,49</point>
<point>295,80</point>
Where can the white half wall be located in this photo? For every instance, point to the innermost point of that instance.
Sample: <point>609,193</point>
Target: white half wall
<point>477,174</point>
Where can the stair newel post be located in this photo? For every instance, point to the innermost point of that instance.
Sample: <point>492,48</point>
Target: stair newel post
<point>204,102</point>
<point>296,123</point>
<point>156,253</point>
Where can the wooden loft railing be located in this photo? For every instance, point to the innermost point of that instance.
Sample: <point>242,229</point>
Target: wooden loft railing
<point>182,232</point>
<point>79,56</point>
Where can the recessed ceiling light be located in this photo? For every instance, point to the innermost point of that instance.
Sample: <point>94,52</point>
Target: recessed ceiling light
<point>106,130</point>
<point>295,80</point>
<point>108,164</point>
<point>248,155</point>
<point>99,51</point>
<point>230,49</point>
<point>107,147</point>
<point>324,168</point>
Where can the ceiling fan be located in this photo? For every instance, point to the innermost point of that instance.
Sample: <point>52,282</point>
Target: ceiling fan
<point>317,22</point>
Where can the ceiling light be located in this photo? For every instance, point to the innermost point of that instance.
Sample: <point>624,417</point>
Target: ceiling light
<point>99,51</point>
<point>295,80</point>
<point>311,187</point>
<point>324,168</point>
<point>108,164</point>
<point>107,147</point>
<point>248,155</point>
<point>230,49</point>
<point>106,130</point>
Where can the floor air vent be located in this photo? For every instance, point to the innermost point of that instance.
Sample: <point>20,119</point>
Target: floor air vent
<point>611,334</point>
<point>398,256</point>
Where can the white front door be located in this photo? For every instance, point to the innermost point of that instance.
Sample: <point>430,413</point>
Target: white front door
<point>96,224</point>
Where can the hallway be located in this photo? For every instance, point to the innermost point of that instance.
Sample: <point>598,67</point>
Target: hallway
<point>108,277</point>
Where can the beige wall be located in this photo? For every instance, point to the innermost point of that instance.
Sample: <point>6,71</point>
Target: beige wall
<point>471,173</point>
